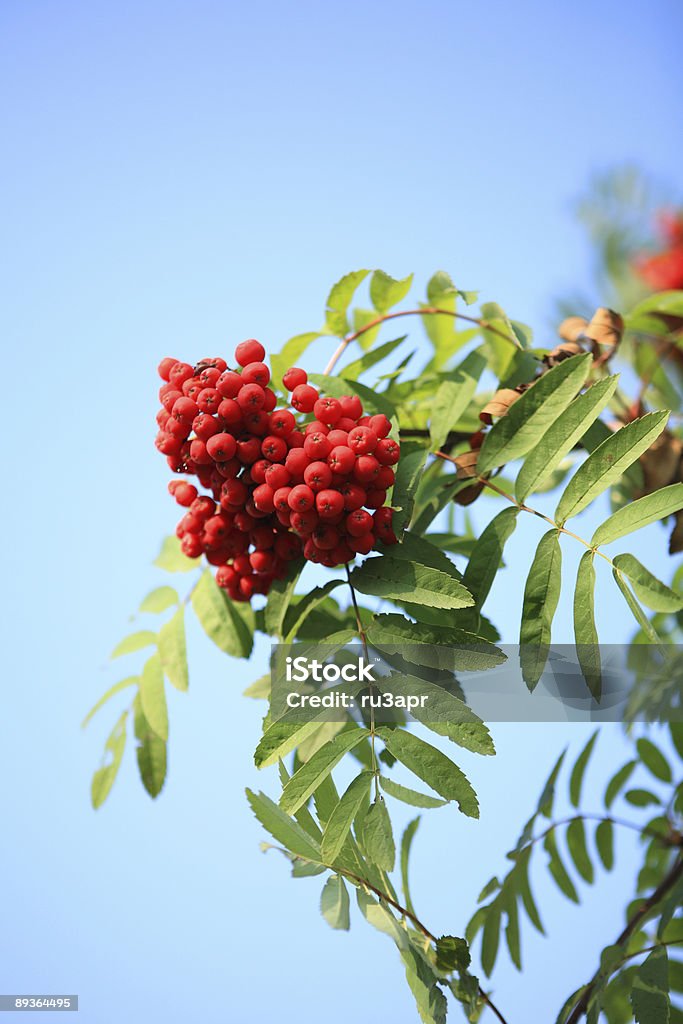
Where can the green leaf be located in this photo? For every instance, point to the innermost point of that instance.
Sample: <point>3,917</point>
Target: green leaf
<point>334,903</point>
<point>304,781</point>
<point>279,597</point>
<point>454,396</point>
<point>639,513</point>
<point>172,559</point>
<point>420,584</point>
<point>491,938</point>
<point>654,759</point>
<point>430,1000</point>
<point>340,820</point>
<point>512,927</point>
<point>377,838</point>
<point>547,797</point>
<point>650,992</point>
<point>608,462</point>
<point>280,739</point>
<point>259,689</point>
<point>604,841</point>
<point>134,642</point>
<point>576,844</point>
<point>524,888</point>
<point>676,730</point>
<point>452,954</point>
<point>111,692</point>
<point>432,766</point>
<point>150,751</point>
<point>339,300</point>
<point>104,777</point>
<point>561,436</point>
<point>230,625</point>
<point>579,770</point>
<point>637,612</point>
<point>159,600</point>
<point>283,828</point>
<point>642,798</point>
<point>651,591</point>
<point>557,868</point>
<point>409,796</point>
<point>669,303</point>
<point>487,555</point>
<point>406,845</point>
<point>585,630</point>
<point>173,651</point>
<point>541,595</point>
<point>516,433</point>
<point>369,359</point>
<point>408,475</point>
<point>434,646</point>
<point>617,782</point>
<point>386,291</point>
<point>297,614</point>
<point>153,696</point>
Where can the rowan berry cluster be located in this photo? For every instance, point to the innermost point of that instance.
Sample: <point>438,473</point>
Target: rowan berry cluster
<point>278,487</point>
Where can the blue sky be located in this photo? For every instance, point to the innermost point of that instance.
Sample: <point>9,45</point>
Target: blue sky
<point>179,176</point>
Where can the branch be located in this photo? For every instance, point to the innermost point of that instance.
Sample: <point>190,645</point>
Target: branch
<point>632,926</point>
<point>364,642</point>
<point>427,311</point>
<point>674,839</point>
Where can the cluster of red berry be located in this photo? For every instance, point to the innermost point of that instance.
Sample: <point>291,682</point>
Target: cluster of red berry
<point>278,488</point>
<point>663,271</point>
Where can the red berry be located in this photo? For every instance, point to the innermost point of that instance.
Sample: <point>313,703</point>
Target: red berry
<point>185,493</point>
<point>295,439</point>
<point>304,522</point>
<point>294,377</point>
<point>270,402</point>
<point>256,373</point>
<point>208,400</point>
<point>362,545</point>
<point>358,523</point>
<point>274,448</point>
<point>366,469</point>
<point>287,546</point>
<point>205,426</point>
<point>338,438</point>
<point>203,507</point>
<point>325,537</point>
<point>179,373</point>
<point>169,398</point>
<point>257,422</point>
<point>248,451</point>
<point>184,409</point>
<point>199,452</point>
<point>191,545</point>
<point>229,384</point>
<point>251,397</point>
<point>164,367</point>
<point>316,445</point>
<point>258,471</point>
<point>353,495</point>
<point>262,498</point>
<point>221,447</point>
<point>301,498</point>
<point>280,498</point>
<point>209,376</point>
<point>387,452</point>
<point>380,424</point>
<point>296,462</point>
<point>230,412</point>
<point>178,428</point>
<point>234,492</point>
<point>315,426</point>
<point>341,459</point>
<point>329,504</point>
<point>225,576</point>
<point>327,410</point>
<point>375,497</point>
<point>304,398</point>
<point>351,406</point>
<point>318,476</point>
<point>281,423</point>
<point>362,440</point>
<point>385,478</point>
<point>262,561</point>
<point>276,476</point>
<point>250,351</point>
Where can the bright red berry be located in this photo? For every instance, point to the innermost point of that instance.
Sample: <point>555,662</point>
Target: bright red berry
<point>362,440</point>
<point>294,377</point>
<point>256,373</point>
<point>341,459</point>
<point>165,366</point>
<point>304,398</point>
<point>251,397</point>
<point>250,351</point>
<point>329,504</point>
<point>301,498</point>
<point>318,476</point>
<point>358,523</point>
<point>327,410</point>
<point>387,452</point>
<point>221,447</point>
<point>185,493</point>
<point>281,423</point>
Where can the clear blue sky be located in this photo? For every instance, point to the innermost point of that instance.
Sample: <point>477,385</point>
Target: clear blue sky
<point>176,177</point>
